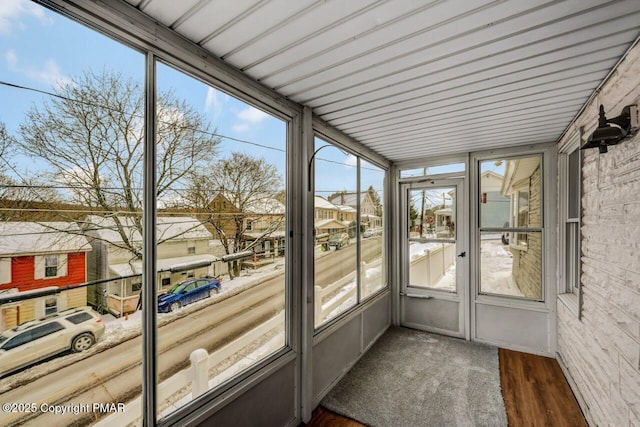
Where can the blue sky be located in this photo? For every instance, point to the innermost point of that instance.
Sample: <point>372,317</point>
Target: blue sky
<point>40,49</point>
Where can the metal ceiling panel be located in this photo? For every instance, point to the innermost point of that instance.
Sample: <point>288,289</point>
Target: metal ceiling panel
<point>415,79</point>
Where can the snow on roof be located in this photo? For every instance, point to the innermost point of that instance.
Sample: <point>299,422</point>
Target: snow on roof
<point>267,205</point>
<point>322,203</point>
<point>345,208</point>
<point>174,228</point>
<point>21,238</point>
<point>14,293</point>
<point>349,199</point>
<point>135,267</point>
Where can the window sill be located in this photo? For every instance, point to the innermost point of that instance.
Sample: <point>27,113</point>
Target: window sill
<point>570,301</point>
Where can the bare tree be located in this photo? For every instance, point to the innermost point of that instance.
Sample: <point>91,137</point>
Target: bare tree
<point>91,135</point>
<point>248,184</point>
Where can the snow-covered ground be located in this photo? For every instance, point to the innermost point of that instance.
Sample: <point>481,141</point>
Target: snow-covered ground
<point>118,330</point>
<point>495,267</point>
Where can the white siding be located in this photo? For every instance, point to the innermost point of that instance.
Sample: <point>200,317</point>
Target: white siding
<point>601,351</point>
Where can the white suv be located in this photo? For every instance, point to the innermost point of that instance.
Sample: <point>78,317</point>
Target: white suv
<point>75,329</point>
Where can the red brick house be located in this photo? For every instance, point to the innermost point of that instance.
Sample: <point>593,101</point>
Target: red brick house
<point>40,257</point>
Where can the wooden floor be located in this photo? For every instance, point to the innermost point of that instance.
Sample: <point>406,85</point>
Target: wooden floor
<point>534,389</point>
<point>536,392</point>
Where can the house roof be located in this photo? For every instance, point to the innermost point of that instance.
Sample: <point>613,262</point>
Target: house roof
<point>29,238</point>
<point>266,206</point>
<point>164,264</point>
<point>329,223</point>
<point>174,228</point>
<point>348,199</point>
<point>518,170</point>
<point>322,203</point>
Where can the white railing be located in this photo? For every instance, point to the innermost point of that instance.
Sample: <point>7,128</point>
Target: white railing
<point>191,382</point>
<point>429,268</point>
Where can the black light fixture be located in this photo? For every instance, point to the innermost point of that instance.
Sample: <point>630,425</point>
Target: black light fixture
<point>624,126</point>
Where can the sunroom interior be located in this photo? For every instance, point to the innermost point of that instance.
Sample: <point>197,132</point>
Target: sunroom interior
<point>433,149</point>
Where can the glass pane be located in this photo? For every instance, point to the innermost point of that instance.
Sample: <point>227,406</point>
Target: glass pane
<point>574,184</point>
<point>372,267</point>
<point>507,269</point>
<point>220,237</point>
<point>71,142</point>
<point>335,226</point>
<point>432,213</point>
<point>432,265</point>
<point>432,217</point>
<point>433,170</point>
<point>510,193</point>
<point>573,256</point>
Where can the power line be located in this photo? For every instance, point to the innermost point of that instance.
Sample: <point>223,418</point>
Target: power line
<point>213,134</point>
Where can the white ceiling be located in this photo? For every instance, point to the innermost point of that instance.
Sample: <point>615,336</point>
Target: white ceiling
<point>413,79</point>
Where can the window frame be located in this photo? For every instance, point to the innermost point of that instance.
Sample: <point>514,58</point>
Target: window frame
<point>511,229</point>
<point>47,266</point>
<point>337,142</point>
<point>568,294</point>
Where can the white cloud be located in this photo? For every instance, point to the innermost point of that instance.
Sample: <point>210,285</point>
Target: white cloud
<point>241,127</point>
<point>12,11</point>
<point>252,115</point>
<point>50,74</point>
<point>351,160</point>
<point>248,118</point>
<point>215,101</point>
<point>12,59</point>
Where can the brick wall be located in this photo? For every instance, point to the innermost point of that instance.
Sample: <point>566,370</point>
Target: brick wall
<point>527,267</point>
<point>601,351</point>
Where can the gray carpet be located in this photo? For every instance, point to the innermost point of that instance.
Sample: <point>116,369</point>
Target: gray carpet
<point>414,378</point>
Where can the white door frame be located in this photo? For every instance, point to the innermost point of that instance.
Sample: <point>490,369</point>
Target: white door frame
<point>429,299</point>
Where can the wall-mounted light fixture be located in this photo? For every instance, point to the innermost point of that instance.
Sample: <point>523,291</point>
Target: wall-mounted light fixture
<point>624,126</point>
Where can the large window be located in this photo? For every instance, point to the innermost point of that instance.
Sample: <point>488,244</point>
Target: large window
<point>220,236</point>
<point>335,248</point>
<point>71,168</point>
<point>372,235</point>
<point>510,220</point>
<point>349,243</point>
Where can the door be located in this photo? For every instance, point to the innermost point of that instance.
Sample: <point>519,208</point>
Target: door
<point>433,296</point>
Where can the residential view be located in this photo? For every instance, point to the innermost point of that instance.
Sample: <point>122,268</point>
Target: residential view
<point>73,226</point>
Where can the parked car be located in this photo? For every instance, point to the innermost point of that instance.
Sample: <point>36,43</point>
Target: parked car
<point>76,329</point>
<point>339,240</point>
<point>367,233</point>
<point>187,292</point>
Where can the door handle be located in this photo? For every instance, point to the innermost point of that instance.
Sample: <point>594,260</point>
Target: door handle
<point>462,254</point>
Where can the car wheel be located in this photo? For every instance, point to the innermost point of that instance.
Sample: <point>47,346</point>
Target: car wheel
<point>174,306</point>
<point>82,342</point>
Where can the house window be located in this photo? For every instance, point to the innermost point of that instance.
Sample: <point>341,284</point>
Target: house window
<point>520,218</point>
<point>50,306</point>
<point>5,270</point>
<point>569,212</point>
<point>249,225</point>
<point>191,247</point>
<point>51,266</point>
